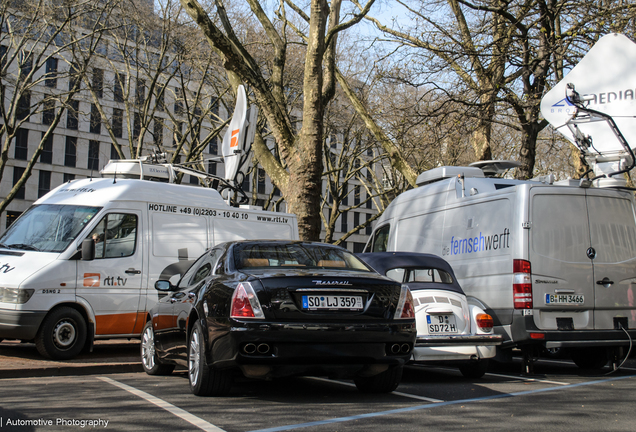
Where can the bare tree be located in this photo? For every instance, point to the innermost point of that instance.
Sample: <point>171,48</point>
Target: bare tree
<point>36,37</point>
<point>298,174</point>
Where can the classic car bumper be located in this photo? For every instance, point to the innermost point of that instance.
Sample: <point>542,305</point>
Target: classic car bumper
<point>455,347</point>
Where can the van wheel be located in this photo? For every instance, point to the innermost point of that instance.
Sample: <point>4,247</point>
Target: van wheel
<point>590,358</point>
<point>149,359</point>
<point>474,369</point>
<point>62,334</point>
<point>384,382</point>
<point>204,380</point>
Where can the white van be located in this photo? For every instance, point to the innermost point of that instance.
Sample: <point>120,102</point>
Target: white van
<point>81,263</point>
<point>553,263</point>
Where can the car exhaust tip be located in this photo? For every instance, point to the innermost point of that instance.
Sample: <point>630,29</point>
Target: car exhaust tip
<point>249,348</point>
<point>263,349</point>
<point>395,348</point>
<point>405,348</point>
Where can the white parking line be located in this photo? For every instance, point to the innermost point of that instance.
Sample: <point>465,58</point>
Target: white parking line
<point>527,379</point>
<point>395,393</point>
<point>192,419</point>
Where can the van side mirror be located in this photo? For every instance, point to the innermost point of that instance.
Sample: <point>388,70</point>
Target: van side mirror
<point>164,285</point>
<point>88,249</point>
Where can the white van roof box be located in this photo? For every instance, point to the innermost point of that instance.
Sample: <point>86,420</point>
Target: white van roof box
<point>445,172</point>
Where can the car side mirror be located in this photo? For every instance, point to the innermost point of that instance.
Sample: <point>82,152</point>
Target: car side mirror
<point>88,249</point>
<point>164,286</point>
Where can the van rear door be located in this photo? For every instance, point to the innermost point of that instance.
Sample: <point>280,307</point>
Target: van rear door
<point>562,274</point>
<point>613,239</point>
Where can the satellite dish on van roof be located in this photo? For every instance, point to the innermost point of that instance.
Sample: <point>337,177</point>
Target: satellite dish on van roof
<point>495,167</point>
<point>604,79</point>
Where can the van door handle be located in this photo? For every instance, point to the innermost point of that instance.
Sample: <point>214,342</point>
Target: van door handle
<point>132,271</point>
<point>605,281</point>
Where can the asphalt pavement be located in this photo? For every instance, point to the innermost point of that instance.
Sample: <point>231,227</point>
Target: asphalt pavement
<point>21,360</point>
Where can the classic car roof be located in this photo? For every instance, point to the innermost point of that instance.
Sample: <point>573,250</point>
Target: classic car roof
<point>385,261</point>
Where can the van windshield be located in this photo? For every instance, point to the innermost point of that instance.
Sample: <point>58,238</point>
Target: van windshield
<point>48,227</point>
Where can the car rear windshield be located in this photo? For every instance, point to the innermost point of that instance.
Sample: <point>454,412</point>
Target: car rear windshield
<point>295,255</point>
<point>431,275</point>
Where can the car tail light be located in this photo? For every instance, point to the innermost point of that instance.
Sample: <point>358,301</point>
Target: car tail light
<point>522,285</point>
<point>245,304</point>
<point>484,322</point>
<point>405,308</point>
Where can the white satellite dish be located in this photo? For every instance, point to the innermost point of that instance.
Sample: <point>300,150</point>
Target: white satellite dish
<point>234,138</point>
<point>605,79</point>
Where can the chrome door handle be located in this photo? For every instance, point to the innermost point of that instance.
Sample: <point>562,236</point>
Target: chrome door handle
<point>132,271</point>
<point>605,282</point>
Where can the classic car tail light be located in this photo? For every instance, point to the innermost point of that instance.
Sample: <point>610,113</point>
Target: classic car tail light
<point>484,322</point>
<point>245,304</point>
<point>405,308</point>
<point>522,284</point>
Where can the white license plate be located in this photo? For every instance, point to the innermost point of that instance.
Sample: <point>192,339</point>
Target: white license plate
<point>317,302</point>
<point>564,299</point>
<point>441,324</point>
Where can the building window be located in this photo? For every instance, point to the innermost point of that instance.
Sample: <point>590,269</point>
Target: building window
<point>72,115</point>
<point>48,112</point>
<point>44,183</point>
<point>113,152</point>
<point>25,61</point>
<point>276,191</point>
<point>356,220</point>
<point>70,151</point>
<point>344,227</point>
<point>96,120</point>
<point>74,77</point>
<point>178,103</point>
<point>367,229</point>
<point>178,134</point>
<point>51,72</point>
<point>93,155</point>
<point>136,125</point>
<point>345,194</point>
<point>358,247</point>
<point>194,180</point>
<point>18,172</point>
<point>98,82</point>
<point>246,183</point>
<point>214,146</point>
<point>356,195</point>
<point>118,88</point>
<point>23,110</point>
<point>68,177</point>
<point>3,55</point>
<point>160,102</point>
<point>118,122</point>
<point>46,155</point>
<point>261,181</point>
<point>158,132</point>
<point>212,168</point>
<point>21,144</point>
<point>369,202</point>
<point>12,216</point>
<point>140,92</point>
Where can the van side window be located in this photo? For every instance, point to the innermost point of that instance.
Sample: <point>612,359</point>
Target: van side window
<point>115,236</point>
<point>381,239</point>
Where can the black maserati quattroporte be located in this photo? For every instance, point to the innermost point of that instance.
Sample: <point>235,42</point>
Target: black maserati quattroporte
<point>270,309</point>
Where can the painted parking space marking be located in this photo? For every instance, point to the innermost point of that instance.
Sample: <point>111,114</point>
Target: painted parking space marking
<point>440,404</point>
<point>190,418</point>
<point>527,379</point>
<point>407,395</point>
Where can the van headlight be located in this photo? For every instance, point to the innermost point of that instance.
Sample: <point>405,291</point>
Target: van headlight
<point>15,295</point>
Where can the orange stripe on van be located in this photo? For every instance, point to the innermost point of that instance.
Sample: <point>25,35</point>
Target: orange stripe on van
<point>114,324</point>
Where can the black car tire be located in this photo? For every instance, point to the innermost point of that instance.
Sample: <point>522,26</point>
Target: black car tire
<point>474,369</point>
<point>384,382</point>
<point>590,358</point>
<point>205,381</point>
<point>149,359</point>
<point>62,334</point>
